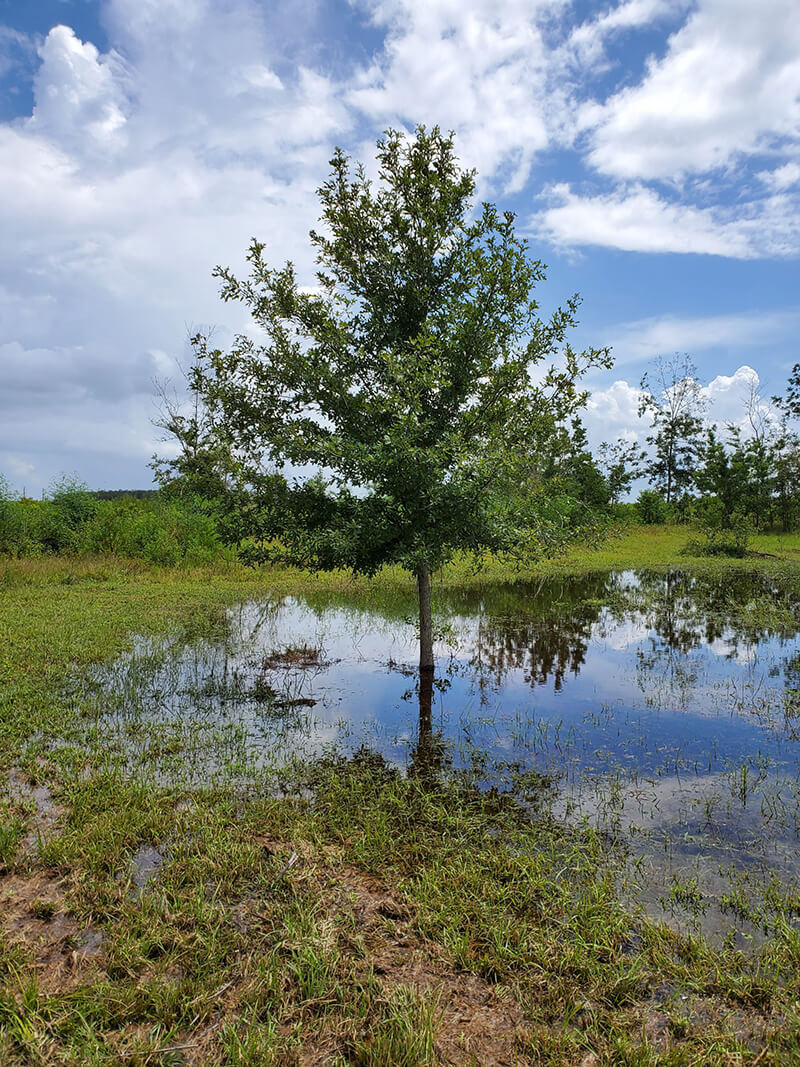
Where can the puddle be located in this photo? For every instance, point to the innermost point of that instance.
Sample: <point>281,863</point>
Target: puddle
<point>145,864</point>
<point>664,707</point>
<point>47,812</point>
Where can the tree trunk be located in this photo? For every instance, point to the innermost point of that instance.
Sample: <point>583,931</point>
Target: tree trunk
<point>425,620</point>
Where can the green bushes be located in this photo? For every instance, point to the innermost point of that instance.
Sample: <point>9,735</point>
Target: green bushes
<point>72,521</point>
<point>159,531</point>
<point>719,534</point>
<point>652,509</point>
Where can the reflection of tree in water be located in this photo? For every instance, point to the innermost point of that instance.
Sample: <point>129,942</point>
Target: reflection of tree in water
<point>544,630</point>
<point>791,674</point>
<point>687,611</point>
<point>430,752</point>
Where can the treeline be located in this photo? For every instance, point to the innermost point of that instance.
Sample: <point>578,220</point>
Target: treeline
<point>728,481</point>
<point>150,525</point>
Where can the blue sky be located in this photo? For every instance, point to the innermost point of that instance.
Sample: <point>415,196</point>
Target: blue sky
<point>650,148</point>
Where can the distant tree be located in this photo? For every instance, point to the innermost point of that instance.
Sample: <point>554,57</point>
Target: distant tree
<point>569,464</point>
<point>651,509</point>
<point>404,377</point>
<point>786,478</point>
<point>203,465</point>
<point>716,478</point>
<point>789,403</point>
<point>134,494</point>
<point>72,505</point>
<point>204,472</point>
<point>786,453</point>
<point>671,396</point>
<point>621,463</point>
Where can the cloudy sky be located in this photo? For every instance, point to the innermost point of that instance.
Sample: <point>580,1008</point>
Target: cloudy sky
<point>650,148</point>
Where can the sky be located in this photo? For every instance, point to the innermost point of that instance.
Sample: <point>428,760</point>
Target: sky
<point>649,148</point>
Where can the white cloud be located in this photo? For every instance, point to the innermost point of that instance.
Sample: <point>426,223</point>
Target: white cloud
<point>782,177</point>
<point>16,50</point>
<point>120,193</point>
<point>637,219</point>
<point>728,85</point>
<point>482,69</point>
<point>614,411</point>
<point>204,124</point>
<point>588,39</point>
<point>727,396</point>
<point>257,76</point>
<point>79,96</point>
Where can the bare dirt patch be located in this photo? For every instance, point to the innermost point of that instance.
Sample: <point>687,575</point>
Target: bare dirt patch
<point>477,1024</point>
<point>34,912</point>
<point>34,917</point>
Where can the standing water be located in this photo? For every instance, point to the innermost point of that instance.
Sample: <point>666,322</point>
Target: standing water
<point>663,709</point>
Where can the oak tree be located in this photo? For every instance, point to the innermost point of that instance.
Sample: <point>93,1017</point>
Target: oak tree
<point>416,379</point>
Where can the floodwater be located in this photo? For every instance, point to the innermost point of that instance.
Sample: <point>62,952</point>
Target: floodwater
<point>664,709</point>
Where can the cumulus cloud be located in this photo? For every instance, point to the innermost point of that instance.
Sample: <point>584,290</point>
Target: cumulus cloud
<point>728,85</point>
<point>142,165</point>
<point>79,95</point>
<point>483,70</point>
<point>613,412</point>
<point>129,181</point>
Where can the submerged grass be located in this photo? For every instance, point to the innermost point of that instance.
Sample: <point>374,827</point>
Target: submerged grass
<point>380,920</point>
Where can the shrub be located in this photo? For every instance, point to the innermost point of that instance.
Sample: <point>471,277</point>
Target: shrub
<point>652,509</point>
<point>74,521</point>
<point>23,523</point>
<point>71,507</point>
<point>718,536</point>
<point>159,531</point>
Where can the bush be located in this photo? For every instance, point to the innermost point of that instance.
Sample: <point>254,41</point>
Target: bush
<point>159,531</point>
<point>652,509</point>
<point>74,521</point>
<point>71,506</point>
<point>23,526</point>
<point>624,513</point>
<point>719,536</point>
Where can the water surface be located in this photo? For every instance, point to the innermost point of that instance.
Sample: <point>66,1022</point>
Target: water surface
<point>664,707</point>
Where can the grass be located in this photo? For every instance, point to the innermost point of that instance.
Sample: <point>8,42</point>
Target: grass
<point>379,920</point>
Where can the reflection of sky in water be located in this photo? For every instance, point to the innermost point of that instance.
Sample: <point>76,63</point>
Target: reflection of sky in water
<point>657,704</point>
<point>597,689</point>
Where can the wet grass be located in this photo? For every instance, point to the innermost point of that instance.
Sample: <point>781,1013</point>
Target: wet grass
<point>380,920</point>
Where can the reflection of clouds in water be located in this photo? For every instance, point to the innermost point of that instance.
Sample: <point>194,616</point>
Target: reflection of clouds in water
<point>744,655</point>
<point>643,695</point>
<point>622,635</point>
<point>533,675</point>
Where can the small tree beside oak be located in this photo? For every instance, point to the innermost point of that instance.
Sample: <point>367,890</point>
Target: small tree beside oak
<point>672,397</point>
<point>404,378</point>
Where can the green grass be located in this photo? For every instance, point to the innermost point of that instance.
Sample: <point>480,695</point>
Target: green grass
<point>362,949</point>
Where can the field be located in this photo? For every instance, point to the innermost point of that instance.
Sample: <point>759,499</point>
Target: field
<point>365,917</point>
